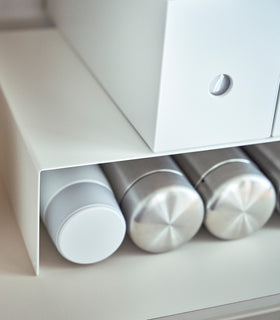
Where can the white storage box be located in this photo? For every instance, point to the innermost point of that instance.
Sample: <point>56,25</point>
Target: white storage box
<point>167,64</point>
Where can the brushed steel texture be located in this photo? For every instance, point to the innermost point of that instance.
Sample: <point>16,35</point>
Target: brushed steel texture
<point>123,174</point>
<point>162,212</point>
<point>161,207</point>
<point>238,198</point>
<point>267,157</point>
<point>198,164</point>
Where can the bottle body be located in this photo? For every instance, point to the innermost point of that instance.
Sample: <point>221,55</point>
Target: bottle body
<point>267,157</point>
<point>161,208</point>
<point>239,199</point>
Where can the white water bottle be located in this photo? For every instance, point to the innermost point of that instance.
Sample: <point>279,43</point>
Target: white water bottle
<point>81,214</point>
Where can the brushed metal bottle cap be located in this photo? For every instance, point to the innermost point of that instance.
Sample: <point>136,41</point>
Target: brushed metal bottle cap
<point>239,200</point>
<point>163,211</point>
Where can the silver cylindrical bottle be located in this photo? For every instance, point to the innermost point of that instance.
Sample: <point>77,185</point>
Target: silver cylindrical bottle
<point>161,207</point>
<point>239,199</point>
<point>81,213</point>
<point>267,157</point>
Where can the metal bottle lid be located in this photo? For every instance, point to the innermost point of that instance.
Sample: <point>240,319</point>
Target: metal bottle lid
<point>163,212</point>
<point>161,207</point>
<point>239,199</point>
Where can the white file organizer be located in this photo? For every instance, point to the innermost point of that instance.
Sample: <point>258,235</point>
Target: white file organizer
<point>53,115</point>
<point>159,59</point>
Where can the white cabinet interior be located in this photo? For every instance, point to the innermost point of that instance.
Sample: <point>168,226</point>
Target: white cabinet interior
<point>53,115</point>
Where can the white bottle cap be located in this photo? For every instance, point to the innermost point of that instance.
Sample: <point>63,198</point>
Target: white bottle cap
<point>85,222</point>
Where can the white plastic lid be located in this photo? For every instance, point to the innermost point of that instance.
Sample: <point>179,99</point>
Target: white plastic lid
<point>85,223</point>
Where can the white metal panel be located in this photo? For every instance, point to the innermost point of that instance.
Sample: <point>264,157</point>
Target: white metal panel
<point>14,260</point>
<point>276,126</point>
<point>61,111</point>
<point>121,42</point>
<point>21,177</point>
<point>205,39</point>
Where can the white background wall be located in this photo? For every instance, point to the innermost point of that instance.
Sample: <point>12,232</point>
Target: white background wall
<point>22,13</point>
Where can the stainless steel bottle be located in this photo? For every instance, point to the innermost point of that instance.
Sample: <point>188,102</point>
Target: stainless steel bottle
<point>81,213</point>
<point>267,157</point>
<point>239,199</point>
<point>161,207</point>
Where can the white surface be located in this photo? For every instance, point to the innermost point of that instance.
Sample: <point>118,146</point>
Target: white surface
<point>22,13</point>
<point>60,110</point>
<point>203,273</point>
<point>203,40</point>
<point>157,58</point>
<point>21,177</point>
<point>133,285</point>
<point>121,41</point>
<point>276,127</point>
<point>92,234</point>
<point>266,308</point>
